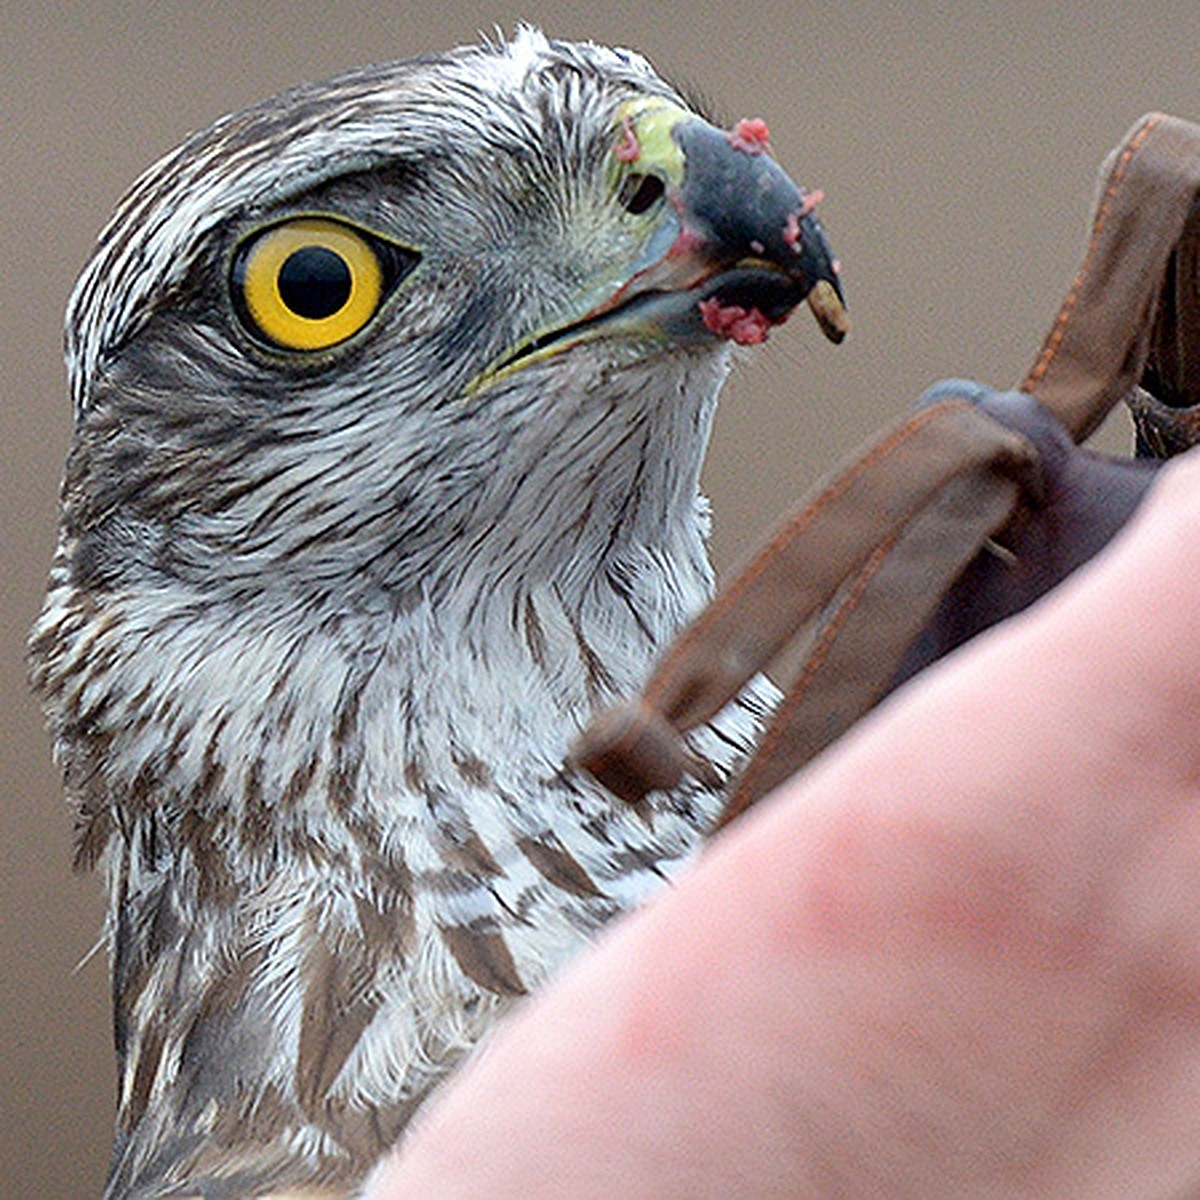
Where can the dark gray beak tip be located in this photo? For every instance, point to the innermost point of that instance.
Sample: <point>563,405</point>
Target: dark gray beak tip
<point>749,209</point>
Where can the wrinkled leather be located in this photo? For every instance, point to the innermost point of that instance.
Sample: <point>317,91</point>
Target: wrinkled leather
<point>957,516</point>
<point>1086,498</point>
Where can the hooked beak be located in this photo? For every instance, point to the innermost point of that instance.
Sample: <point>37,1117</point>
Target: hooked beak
<point>749,247</point>
<point>736,249</point>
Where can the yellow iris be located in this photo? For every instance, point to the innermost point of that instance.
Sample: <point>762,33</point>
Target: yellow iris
<point>309,283</point>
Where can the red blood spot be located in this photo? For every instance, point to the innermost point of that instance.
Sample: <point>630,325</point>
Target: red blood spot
<point>791,227</point>
<point>747,327</point>
<point>688,242</point>
<point>629,149</point>
<point>750,135</point>
<point>810,201</point>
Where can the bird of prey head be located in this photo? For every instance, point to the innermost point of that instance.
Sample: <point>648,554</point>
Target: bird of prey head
<point>391,397</point>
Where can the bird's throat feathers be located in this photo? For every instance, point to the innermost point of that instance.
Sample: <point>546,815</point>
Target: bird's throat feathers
<point>325,801</point>
<point>391,403</point>
<point>547,586</point>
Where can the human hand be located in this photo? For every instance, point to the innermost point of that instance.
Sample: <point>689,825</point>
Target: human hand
<point>959,955</point>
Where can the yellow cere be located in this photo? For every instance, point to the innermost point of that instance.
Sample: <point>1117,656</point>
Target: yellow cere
<point>644,125</point>
<point>309,283</point>
<point>651,120</point>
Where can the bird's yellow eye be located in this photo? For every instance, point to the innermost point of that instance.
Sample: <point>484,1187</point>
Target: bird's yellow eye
<point>310,283</point>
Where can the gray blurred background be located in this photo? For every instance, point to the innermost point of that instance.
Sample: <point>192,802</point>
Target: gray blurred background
<point>957,145</point>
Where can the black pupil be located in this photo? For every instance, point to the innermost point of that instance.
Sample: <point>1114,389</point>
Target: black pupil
<point>314,282</point>
<point>641,192</point>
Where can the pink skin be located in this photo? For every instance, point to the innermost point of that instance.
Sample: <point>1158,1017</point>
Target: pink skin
<point>747,327</point>
<point>791,231</point>
<point>791,227</point>
<point>958,956</point>
<point>689,242</point>
<point>810,201</point>
<point>751,136</point>
<point>628,149</point>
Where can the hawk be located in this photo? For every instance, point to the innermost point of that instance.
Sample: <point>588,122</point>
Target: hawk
<point>391,395</point>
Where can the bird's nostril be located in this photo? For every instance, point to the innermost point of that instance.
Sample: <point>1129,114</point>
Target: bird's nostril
<point>640,193</point>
